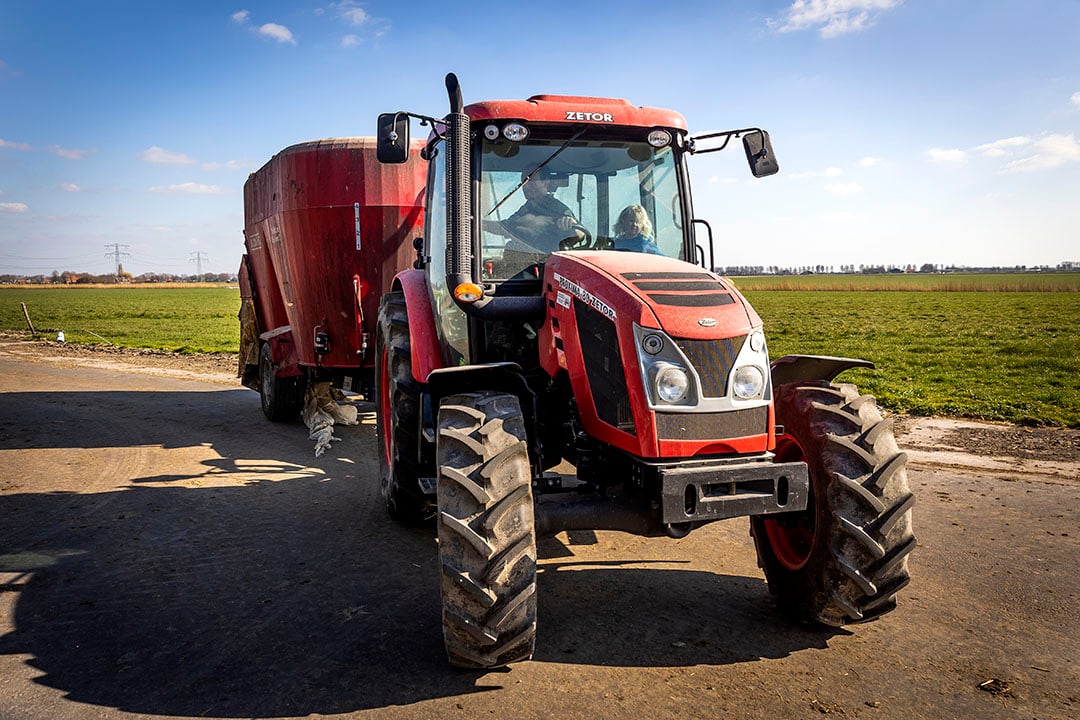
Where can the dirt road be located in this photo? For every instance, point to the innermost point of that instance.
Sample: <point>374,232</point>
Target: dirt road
<point>164,551</point>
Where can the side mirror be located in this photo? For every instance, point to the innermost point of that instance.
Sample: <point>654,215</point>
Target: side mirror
<point>759,154</point>
<point>392,144</point>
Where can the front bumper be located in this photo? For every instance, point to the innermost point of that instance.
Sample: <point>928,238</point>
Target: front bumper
<point>706,490</point>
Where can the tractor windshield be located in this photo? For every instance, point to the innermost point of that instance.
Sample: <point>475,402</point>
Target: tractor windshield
<point>591,195</point>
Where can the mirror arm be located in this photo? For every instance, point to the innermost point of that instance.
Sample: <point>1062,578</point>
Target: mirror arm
<point>727,135</point>
<point>424,121</point>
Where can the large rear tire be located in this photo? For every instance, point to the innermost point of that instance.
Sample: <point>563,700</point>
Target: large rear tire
<point>282,398</point>
<point>487,537</point>
<point>397,398</point>
<point>843,559</point>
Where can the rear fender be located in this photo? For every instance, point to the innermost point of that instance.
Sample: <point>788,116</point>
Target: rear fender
<point>799,368</point>
<point>423,340</point>
<point>283,352</point>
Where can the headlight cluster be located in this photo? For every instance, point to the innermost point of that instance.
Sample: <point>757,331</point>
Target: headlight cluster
<point>672,380</point>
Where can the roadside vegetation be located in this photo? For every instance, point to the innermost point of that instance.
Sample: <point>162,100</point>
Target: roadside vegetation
<point>993,347</point>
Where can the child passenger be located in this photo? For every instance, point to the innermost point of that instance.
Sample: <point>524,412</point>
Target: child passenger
<point>634,232</point>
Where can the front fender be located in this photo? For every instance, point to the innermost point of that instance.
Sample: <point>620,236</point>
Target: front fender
<point>798,368</point>
<point>423,339</point>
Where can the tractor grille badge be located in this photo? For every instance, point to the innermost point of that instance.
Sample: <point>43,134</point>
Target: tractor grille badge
<point>707,322</point>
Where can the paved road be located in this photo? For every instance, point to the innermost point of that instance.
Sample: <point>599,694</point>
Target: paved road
<point>164,551</point>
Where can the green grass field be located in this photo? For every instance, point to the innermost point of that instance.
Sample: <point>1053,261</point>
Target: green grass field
<point>179,319</point>
<point>988,354</point>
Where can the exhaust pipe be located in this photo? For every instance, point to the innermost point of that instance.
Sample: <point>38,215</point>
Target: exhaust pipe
<point>459,222</point>
<point>458,191</point>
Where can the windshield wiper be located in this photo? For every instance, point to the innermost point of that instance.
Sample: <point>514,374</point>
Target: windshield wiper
<point>539,167</point>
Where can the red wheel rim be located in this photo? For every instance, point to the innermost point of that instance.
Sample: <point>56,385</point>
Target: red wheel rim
<point>384,406</point>
<point>791,536</point>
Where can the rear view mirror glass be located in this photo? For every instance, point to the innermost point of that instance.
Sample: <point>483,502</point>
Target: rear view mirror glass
<point>392,144</point>
<point>759,154</point>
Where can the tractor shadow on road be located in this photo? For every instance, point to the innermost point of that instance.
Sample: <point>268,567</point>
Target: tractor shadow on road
<point>290,593</point>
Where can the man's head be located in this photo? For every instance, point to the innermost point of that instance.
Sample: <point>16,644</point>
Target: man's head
<point>542,183</point>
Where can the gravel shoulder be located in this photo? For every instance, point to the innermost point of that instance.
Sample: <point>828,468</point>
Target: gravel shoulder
<point>952,437</point>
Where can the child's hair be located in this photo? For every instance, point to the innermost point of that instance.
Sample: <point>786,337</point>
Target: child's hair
<point>634,217</point>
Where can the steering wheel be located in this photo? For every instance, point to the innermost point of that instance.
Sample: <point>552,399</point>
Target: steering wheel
<point>575,242</point>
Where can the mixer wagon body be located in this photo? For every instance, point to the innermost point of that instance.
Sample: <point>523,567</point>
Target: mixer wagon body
<point>326,228</point>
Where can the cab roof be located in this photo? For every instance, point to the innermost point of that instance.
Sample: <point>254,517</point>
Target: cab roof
<point>575,109</point>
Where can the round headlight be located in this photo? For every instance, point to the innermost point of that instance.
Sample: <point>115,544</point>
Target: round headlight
<point>757,341</point>
<point>515,132</point>
<point>659,138</point>
<point>652,344</point>
<point>672,383</point>
<point>748,382</point>
<point>491,132</point>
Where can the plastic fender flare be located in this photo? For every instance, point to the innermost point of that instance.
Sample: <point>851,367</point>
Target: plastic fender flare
<point>423,340</point>
<point>797,368</point>
<point>505,377</point>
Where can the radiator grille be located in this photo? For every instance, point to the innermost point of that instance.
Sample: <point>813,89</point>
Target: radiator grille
<point>713,360</point>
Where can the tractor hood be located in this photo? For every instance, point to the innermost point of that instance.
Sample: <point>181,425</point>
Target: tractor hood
<point>683,300</point>
<point>601,307</point>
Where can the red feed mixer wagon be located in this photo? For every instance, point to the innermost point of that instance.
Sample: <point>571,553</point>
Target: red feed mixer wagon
<point>326,228</point>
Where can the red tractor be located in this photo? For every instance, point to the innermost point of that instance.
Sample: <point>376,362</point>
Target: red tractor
<point>561,358</point>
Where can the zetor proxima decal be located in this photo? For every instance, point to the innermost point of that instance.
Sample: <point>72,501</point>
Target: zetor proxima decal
<point>585,296</point>
<point>589,116</point>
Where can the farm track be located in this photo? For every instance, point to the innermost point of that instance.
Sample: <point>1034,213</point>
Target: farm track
<point>164,551</point>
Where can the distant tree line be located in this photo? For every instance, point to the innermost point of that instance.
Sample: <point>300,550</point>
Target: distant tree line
<point>735,270</point>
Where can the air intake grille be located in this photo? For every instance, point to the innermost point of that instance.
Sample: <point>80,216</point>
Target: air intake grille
<point>603,366</point>
<point>712,426</point>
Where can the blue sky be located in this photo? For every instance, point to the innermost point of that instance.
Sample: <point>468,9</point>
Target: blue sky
<point>908,131</point>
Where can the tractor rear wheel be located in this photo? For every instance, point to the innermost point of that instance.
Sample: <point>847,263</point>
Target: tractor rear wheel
<point>487,537</point>
<point>843,559</point>
<point>282,398</point>
<point>397,399</point>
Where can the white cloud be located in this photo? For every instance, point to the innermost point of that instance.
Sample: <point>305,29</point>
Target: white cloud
<point>14,145</point>
<point>832,17</point>
<point>1076,99</point>
<point>241,16</point>
<point>69,153</point>
<point>70,187</point>
<point>869,162</point>
<point>352,12</point>
<point>161,156</point>
<point>842,189</point>
<point>947,157</point>
<point>14,207</point>
<point>1001,148</point>
<point>833,172</point>
<point>227,165</point>
<point>1049,151</point>
<point>189,188</point>
<point>278,32</point>
<point>350,41</point>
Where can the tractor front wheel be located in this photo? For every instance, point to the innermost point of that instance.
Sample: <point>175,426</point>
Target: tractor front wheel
<point>843,559</point>
<point>487,537</point>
